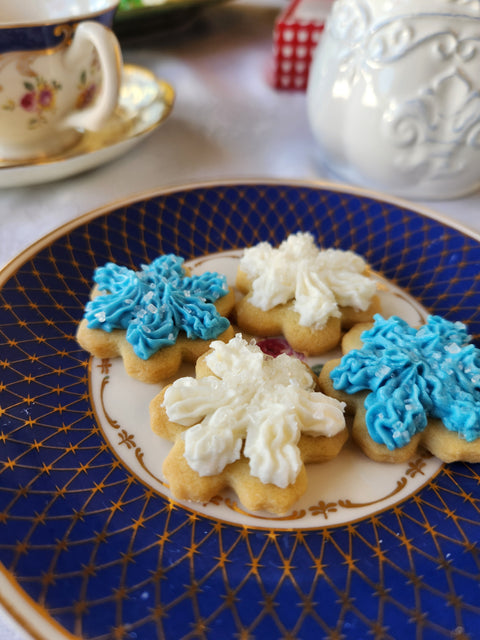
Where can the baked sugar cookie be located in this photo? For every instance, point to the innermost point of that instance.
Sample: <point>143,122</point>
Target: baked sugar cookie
<point>304,293</point>
<point>410,388</point>
<point>247,421</point>
<point>156,317</point>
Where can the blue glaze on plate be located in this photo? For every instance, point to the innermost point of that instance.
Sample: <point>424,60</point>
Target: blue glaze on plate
<point>107,557</point>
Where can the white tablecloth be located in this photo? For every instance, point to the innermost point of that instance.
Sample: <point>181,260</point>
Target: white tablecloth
<point>228,122</point>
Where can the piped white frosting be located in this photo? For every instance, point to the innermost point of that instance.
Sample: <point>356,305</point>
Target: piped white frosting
<point>317,281</point>
<point>253,398</point>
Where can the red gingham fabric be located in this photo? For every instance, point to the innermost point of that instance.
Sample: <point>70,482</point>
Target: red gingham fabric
<point>296,34</point>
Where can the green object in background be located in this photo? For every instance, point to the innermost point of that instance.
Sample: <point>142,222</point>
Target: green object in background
<point>130,4</point>
<point>135,17</point>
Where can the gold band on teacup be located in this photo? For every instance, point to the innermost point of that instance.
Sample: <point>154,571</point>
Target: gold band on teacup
<point>67,30</point>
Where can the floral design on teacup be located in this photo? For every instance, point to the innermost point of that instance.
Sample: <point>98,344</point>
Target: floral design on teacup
<point>39,98</point>
<point>40,95</point>
<point>88,92</point>
<point>88,85</point>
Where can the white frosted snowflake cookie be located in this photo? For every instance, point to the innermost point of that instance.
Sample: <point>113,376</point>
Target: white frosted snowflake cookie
<point>303,292</point>
<point>247,421</point>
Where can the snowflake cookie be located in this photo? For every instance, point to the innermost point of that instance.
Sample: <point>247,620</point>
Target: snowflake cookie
<point>410,388</point>
<point>247,421</point>
<point>304,293</point>
<point>156,317</point>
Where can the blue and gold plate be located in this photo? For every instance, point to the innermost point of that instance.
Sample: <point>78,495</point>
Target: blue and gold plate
<point>92,545</point>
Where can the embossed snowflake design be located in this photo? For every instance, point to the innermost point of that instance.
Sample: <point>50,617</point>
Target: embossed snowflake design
<point>413,374</point>
<point>155,303</point>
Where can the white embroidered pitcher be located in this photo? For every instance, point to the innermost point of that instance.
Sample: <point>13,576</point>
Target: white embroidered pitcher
<point>394,95</point>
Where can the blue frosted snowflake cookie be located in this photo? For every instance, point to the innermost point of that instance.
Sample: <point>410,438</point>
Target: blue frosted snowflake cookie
<point>411,387</point>
<point>156,317</point>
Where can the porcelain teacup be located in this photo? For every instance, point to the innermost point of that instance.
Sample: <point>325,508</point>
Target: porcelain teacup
<point>394,95</point>
<point>60,73</point>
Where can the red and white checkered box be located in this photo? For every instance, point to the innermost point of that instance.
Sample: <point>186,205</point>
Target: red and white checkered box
<point>296,34</point>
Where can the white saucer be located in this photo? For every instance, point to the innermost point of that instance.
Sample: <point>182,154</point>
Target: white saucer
<point>144,103</point>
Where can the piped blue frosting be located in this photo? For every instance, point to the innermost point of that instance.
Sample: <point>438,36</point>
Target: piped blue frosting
<point>157,302</point>
<point>412,375</point>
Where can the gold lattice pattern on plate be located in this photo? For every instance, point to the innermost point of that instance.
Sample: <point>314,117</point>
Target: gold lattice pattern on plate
<point>107,557</point>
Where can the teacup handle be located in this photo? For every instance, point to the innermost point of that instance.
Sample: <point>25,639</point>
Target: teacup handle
<point>110,57</point>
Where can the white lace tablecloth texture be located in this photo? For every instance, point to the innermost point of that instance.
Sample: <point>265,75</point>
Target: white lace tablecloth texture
<point>227,122</point>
